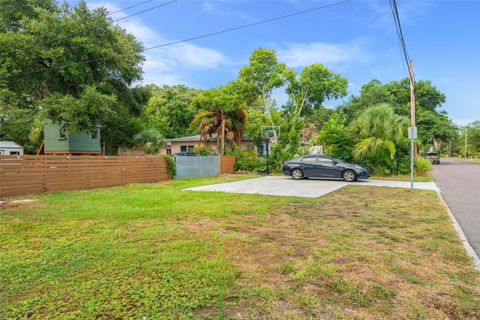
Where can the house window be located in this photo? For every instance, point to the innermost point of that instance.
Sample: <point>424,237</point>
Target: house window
<point>186,148</point>
<point>94,134</point>
<point>63,133</point>
<point>169,151</point>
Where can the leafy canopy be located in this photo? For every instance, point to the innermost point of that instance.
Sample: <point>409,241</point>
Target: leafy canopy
<point>170,110</point>
<point>71,64</point>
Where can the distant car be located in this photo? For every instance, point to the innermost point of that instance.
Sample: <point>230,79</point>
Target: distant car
<point>319,166</point>
<point>434,157</point>
<point>183,153</point>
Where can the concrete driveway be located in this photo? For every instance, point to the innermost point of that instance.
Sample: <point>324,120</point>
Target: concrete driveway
<point>311,188</point>
<point>459,184</point>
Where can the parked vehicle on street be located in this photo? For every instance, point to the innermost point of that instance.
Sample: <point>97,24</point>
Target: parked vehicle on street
<point>319,166</point>
<point>434,157</point>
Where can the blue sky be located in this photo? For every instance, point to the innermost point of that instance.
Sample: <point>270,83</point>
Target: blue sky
<point>356,39</point>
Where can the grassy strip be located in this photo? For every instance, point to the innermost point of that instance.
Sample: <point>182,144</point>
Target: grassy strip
<point>403,177</point>
<point>474,160</point>
<point>163,253</point>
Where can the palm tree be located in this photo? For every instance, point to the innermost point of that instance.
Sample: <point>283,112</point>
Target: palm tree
<point>381,133</point>
<point>150,140</point>
<point>222,113</point>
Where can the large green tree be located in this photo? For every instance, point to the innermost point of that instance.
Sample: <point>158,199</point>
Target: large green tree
<point>70,64</point>
<point>397,94</point>
<point>222,112</point>
<point>259,78</point>
<point>434,126</point>
<point>308,89</point>
<point>170,110</point>
<point>470,133</point>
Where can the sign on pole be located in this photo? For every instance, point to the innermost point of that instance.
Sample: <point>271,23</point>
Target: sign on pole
<point>412,132</point>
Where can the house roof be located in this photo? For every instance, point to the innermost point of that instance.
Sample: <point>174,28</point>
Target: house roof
<point>196,138</point>
<point>10,144</point>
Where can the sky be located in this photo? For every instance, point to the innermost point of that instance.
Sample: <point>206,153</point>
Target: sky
<point>356,39</point>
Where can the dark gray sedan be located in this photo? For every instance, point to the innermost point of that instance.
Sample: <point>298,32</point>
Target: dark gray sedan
<point>319,166</point>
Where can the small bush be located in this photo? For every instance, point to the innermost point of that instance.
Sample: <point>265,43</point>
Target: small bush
<point>246,160</point>
<point>203,151</point>
<point>422,166</point>
<point>171,167</point>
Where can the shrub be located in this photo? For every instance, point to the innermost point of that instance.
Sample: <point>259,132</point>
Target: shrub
<point>171,167</point>
<point>377,154</point>
<point>246,160</point>
<point>337,139</point>
<point>203,151</point>
<point>422,166</point>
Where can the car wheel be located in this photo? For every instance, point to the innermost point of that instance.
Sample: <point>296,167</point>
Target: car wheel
<point>349,175</point>
<point>297,174</point>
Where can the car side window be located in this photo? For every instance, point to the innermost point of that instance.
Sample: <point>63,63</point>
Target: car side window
<point>325,161</point>
<point>309,159</point>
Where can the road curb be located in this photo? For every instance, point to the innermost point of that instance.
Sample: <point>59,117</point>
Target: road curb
<point>461,234</point>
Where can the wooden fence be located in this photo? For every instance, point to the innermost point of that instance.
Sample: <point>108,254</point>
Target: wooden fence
<point>36,174</point>
<point>227,165</point>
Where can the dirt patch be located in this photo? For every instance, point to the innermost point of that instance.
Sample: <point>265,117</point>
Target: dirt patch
<point>17,204</point>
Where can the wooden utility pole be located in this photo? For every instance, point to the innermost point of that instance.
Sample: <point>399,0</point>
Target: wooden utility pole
<point>412,94</point>
<point>466,141</point>
<point>412,117</point>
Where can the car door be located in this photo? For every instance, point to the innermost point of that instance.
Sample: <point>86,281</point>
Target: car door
<point>327,168</point>
<point>310,166</point>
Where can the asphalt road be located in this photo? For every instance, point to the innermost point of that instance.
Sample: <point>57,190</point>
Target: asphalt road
<point>459,183</point>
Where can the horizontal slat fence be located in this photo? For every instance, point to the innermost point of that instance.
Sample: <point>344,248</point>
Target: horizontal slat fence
<point>227,165</point>
<point>36,174</point>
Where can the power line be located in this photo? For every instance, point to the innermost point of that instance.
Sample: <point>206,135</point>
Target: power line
<point>403,46</point>
<point>249,25</point>
<point>122,18</point>
<point>146,10</point>
<point>132,6</point>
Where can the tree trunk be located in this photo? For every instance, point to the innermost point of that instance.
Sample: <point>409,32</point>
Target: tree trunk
<point>222,141</point>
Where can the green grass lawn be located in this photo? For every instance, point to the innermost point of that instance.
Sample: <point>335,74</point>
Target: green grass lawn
<point>155,251</point>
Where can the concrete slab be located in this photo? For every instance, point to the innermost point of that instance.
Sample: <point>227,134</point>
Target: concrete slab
<point>311,188</point>
<point>276,186</point>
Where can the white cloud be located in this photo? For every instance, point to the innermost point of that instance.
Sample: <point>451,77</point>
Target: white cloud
<point>333,55</point>
<point>169,64</point>
<point>209,6</point>
<point>222,8</point>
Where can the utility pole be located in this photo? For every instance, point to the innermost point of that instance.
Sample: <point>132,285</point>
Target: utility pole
<point>413,131</point>
<point>466,141</point>
<point>268,169</point>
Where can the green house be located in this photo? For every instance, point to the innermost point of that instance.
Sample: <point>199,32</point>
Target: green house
<point>58,140</point>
